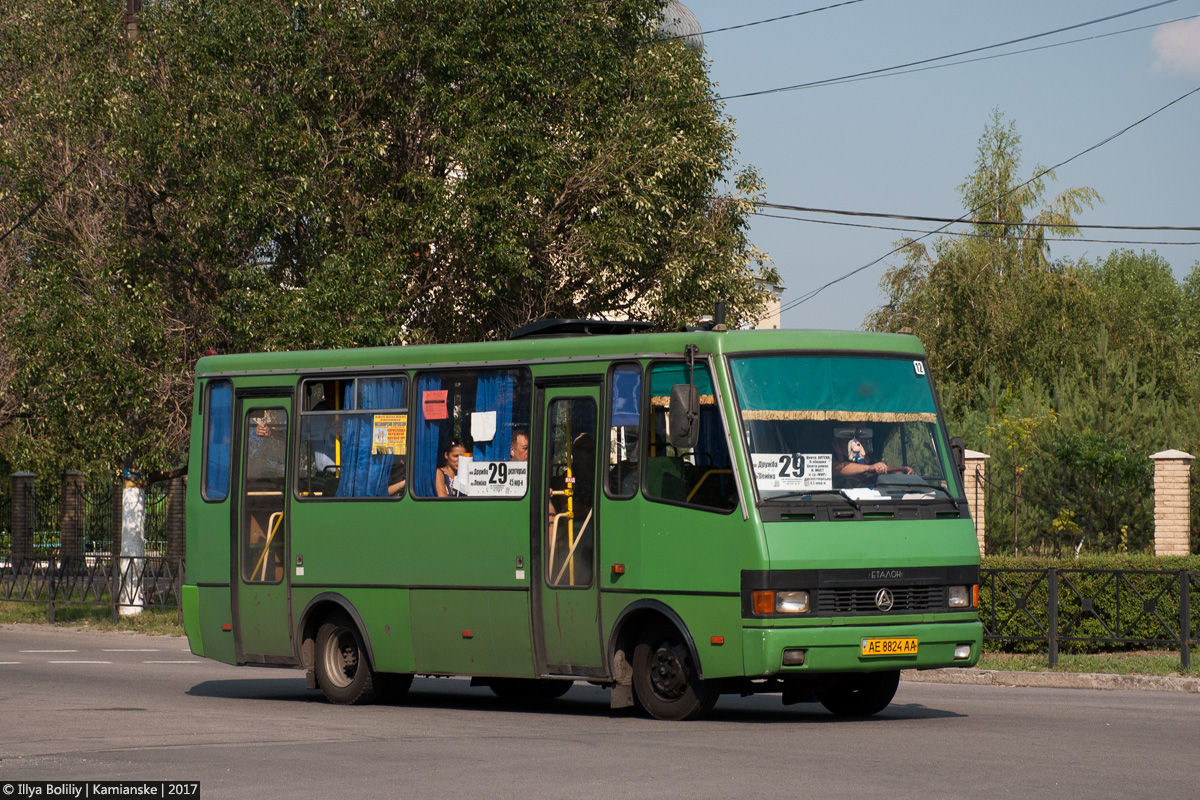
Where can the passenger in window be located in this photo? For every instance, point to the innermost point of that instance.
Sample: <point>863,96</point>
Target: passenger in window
<point>519,449</point>
<point>323,437</point>
<point>443,481</point>
<point>852,457</point>
<point>583,464</point>
<point>396,480</point>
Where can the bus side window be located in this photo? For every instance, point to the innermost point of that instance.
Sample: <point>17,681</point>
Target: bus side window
<point>624,415</point>
<point>472,433</point>
<point>702,476</point>
<point>353,437</point>
<point>218,435</point>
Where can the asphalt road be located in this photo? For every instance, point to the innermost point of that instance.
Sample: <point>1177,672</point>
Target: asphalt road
<point>84,706</point>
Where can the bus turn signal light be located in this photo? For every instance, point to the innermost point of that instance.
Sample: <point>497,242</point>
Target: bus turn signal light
<point>763,601</point>
<point>618,569</point>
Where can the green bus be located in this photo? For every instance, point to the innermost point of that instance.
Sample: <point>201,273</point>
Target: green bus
<point>672,515</point>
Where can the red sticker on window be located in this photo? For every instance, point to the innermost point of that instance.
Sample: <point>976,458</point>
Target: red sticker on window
<point>433,404</point>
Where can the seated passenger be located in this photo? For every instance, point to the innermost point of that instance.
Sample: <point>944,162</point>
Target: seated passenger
<point>518,450</point>
<point>396,479</point>
<point>443,480</point>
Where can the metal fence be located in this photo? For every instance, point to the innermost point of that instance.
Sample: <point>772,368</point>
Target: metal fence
<point>120,582</point>
<point>1082,609</point>
<point>98,521</point>
<point>5,523</point>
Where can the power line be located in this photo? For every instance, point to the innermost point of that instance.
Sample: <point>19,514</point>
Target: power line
<point>763,21</point>
<point>969,235</point>
<point>810,295</point>
<point>914,218</point>
<point>945,57</point>
<point>839,81</point>
<point>38,206</point>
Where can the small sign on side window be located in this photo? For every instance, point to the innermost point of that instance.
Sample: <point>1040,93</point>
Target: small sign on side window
<point>919,366</point>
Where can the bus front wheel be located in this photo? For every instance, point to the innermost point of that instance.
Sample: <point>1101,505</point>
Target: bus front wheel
<point>343,670</point>
<point>666,680</point>
<point>860,694</point>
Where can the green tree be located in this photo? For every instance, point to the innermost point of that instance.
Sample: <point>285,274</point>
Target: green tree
<point>992,299</point>
<point>312,174</point>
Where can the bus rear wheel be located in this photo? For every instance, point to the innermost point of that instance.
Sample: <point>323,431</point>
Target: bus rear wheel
<point>343,670</point>
<point>860,694</point>
<point>666,680</point>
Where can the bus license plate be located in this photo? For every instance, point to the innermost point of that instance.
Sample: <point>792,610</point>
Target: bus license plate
<point>906,646</point>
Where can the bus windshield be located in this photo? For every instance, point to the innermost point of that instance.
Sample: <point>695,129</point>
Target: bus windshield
<point>837,428</point>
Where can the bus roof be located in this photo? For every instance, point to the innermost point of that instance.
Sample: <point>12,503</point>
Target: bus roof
<point>560,349</point>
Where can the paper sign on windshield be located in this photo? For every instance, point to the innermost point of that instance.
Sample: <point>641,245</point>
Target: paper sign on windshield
<point>796,472</point>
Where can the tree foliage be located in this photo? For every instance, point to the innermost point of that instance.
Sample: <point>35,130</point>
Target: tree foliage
<point>282,175</point>
<point>1068,374</point>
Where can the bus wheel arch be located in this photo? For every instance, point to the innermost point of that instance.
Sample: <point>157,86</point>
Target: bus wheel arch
<point>331,615</point>
<point>649,629</point>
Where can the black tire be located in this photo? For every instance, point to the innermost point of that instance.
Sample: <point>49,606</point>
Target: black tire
<point>529,691</point>
<point>666,680</point>
<point>343,669</point>
<point>395,685</point>
<point>860,694</point>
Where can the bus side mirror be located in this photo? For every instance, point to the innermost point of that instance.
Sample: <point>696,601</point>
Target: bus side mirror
<point>683,417</point>
<point>958,453</point>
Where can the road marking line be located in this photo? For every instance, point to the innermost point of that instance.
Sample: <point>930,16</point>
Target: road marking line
<point>80,662</point>
<point>10,662</point>
<point>173,662</point>
<point>131,650</point>
<point>47,651</point>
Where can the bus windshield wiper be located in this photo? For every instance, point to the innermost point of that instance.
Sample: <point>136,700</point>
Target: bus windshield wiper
<point>812,495</point>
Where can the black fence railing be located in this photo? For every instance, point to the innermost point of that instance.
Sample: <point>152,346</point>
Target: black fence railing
<point>98,517</point>
<point>5,523</point>
<point>1084,610</point>
<point>120,582</point>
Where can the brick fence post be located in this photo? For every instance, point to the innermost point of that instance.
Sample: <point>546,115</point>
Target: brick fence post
<point>176,519</point>
<point>975,489</point>
<point>1172,504</point>
<point>24,484</point>
<point>73,513</point>
<point>114,531</point>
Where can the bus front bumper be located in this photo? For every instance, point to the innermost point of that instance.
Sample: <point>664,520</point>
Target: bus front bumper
<point>861,648</point>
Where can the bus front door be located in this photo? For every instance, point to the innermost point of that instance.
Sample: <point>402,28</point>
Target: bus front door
<point>262,617</point>
<point>566,593</point>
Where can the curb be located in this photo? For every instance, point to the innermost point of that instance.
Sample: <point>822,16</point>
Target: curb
<point>1055,680</point>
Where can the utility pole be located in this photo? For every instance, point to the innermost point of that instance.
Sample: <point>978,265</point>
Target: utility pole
<point>132,9</point>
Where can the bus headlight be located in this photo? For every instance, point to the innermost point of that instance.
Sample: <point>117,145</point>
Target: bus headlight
<point>794,602</point>
<point>960,597</point>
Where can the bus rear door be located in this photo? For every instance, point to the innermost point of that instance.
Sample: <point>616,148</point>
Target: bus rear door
<point>262,616</point>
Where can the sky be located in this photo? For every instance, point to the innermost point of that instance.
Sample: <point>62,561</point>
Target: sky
<point>903,144</point>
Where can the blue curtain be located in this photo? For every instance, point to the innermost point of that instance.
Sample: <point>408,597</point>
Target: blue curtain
<point>626,396</point>
<point>494,392</point>
<point>220,434</point>
<point>364,474</point>
<point>429,437</point>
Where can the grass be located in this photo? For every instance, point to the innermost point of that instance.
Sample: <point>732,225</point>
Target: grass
<point>1141,662</point>
<point>93,618</point>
